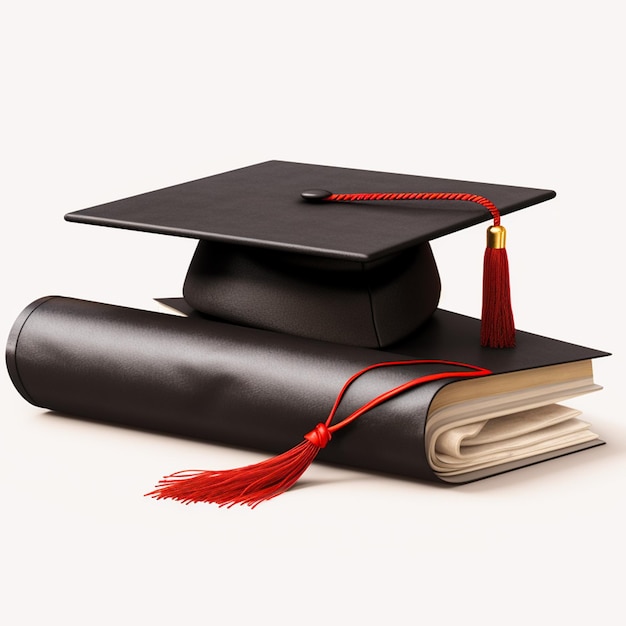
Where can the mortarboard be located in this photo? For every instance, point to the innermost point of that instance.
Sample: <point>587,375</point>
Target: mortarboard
<point>353,267</point>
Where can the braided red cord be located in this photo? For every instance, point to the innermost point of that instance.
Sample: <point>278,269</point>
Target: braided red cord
<point>497,327</point>
<point>426,195</point>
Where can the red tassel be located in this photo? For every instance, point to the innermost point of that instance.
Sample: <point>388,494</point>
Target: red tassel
<point>497,327</point>
<point>263,481</point>
<point>249,485</point>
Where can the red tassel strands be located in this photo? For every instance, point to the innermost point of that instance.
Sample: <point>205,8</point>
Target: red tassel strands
<point>262,481</point>
<point>498,327</point>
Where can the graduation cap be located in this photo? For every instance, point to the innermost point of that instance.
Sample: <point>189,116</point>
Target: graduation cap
<point>329,253</point>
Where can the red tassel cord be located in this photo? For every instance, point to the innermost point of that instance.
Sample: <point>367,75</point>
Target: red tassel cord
<point>263,481</point>
<point>497,327</point>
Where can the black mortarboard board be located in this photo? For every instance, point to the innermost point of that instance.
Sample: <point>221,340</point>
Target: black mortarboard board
<point>358,273</point>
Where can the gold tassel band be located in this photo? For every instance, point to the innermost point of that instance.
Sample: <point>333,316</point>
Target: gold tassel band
<point>496,237</point>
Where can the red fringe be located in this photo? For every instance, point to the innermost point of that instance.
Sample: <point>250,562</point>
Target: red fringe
<point>249,485</point>
<point>498,327</point>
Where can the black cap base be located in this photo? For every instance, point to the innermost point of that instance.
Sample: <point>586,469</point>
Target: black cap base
<point>370,304</point>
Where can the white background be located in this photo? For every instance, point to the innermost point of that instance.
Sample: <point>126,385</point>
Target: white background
<point>104,100</point>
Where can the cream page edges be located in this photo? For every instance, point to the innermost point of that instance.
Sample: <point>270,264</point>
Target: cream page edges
<point>481,423</point>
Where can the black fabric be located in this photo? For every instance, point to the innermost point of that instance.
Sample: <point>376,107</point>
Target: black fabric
<point>364,304</point>
<point>240,386</point>
<point>260,206</point>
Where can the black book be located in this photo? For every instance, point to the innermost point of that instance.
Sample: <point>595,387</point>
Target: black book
<point>224,383</point>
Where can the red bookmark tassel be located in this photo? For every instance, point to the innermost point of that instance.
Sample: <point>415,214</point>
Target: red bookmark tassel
<point>497,325</point>
<point>263,481</point>
<point>249,485</point>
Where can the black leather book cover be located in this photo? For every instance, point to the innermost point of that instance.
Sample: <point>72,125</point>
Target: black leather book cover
<point>207,380</point>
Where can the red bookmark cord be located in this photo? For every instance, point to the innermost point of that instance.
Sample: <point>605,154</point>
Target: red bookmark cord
<point>263,481</point>
<point>475,371</point>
